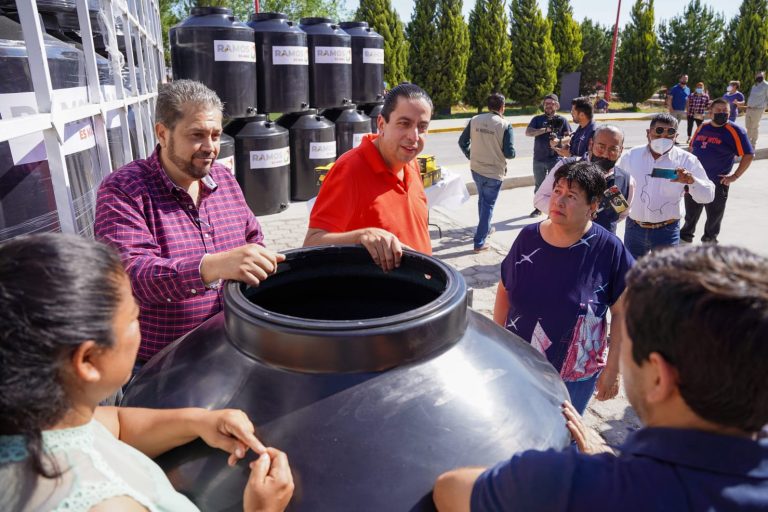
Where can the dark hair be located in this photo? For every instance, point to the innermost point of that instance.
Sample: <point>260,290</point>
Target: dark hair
<point>583,105</point>
<point>56,291</point>
<point>588,176</point>
<point>405,90</point>
<point>664,118</point>
<point>705,310</point>
<point>720,101</point>
<point>496,102</point>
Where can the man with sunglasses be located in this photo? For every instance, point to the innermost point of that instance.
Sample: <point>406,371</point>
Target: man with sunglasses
<point>604,150</point>
<point>662,172</point>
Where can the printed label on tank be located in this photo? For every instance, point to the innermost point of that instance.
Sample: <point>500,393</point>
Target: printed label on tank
<point>333,55</point>
<point>30,148</point>
<point>357,138</point>
<point>290,55</point>
<point>373,56</point>
<point>228,162</point>
<point>270,158</point>
<point>234,51</point>
<point>322,150</point>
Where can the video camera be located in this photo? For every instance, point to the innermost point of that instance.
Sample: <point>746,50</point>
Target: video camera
<point>555,125</point>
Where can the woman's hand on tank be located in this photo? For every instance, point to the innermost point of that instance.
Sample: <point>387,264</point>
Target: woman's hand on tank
<point>230,430</point>
<point>270,486</point>
<point>587,440</point>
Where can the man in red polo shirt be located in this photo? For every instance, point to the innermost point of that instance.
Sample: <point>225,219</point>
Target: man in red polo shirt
<point>373,195</point>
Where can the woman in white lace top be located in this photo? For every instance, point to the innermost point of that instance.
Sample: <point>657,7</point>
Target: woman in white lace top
<point>69,335</point>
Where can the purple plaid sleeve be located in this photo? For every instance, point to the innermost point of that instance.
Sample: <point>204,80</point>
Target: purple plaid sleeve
<point>162,237</point>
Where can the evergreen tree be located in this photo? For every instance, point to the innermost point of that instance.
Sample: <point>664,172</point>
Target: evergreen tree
<point>596,45</point>
<point>451,54</point>
<point>566,38</point>
<point>686,40</point>
<point>383,19</point>
<point>637,57</point>
<point>751,53</point>
<point>422,34</point>
<point>533,56</point>
<point>720,62</point>
<point>489,68</point>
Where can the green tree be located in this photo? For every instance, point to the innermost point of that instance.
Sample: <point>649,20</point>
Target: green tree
<point>168,18</point>
<point>451,55</point>
<point>422,34</point>
<point>533,55</point>
<point>751,53</point>
<point>489,69</point>
<point>596,45</point>
<point>637,57</point>
<point>295,9</point>
<point>686,40</point>
<point>566,38</point>
<point>383,19</point>
<point>720,61</point>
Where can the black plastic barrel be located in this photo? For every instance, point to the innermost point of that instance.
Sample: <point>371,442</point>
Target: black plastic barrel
<point>263,163</point>
<point>26,192</point>
<point>330,63</point>
<point>373,383</point>
<point>351,124</point>
<point>367,62</point>
<point>313,143</point>
<point>226,155</point>
<point>211,46</point>
<point>373,110</point>
<point>282,66</point>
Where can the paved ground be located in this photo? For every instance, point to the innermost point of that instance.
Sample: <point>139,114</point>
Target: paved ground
<point>745,224</point>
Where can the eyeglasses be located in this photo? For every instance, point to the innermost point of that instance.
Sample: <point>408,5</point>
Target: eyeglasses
<point>660,130</point>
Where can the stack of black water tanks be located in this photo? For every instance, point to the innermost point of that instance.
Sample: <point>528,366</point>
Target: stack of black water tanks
<point>320,76</point>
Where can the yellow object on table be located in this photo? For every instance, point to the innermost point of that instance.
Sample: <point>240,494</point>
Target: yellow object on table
<point>322,171</point>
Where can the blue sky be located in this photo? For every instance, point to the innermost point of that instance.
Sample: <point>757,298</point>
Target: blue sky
<point>602,11</point>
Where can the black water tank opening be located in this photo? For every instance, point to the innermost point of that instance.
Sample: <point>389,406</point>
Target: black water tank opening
<point>361,291</point>
<point>203,11</point>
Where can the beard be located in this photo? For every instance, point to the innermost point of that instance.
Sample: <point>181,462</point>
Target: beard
<point>188,167</point>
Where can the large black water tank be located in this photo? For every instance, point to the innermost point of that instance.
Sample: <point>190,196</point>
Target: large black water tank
<point>226,155</point>
<point>282,66</point>
<point>263,160</point>
<point>330,63</point>
<point>351,124</point>
<point>211,46</point>
<point>367,62</point>
<point>373,110</point>
<point>373,383</point>
<point>26,192</point>
<point>313,143</point>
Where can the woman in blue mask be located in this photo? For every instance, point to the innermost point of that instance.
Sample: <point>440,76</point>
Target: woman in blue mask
<point>697,105</point>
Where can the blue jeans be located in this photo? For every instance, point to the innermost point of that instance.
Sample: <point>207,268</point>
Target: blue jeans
<point>640,241</point>
<point>487,192</point>
<point>581,392</point>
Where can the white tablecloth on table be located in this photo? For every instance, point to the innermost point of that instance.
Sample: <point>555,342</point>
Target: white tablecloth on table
<point>449,192</point>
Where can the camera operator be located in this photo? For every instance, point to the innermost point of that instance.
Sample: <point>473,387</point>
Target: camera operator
<point>545,127</point>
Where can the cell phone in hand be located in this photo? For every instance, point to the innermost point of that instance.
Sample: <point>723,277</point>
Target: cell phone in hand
<point>659,172</point>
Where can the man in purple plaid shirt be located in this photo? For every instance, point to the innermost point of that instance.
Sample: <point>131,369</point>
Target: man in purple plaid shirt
<point>180,221</point>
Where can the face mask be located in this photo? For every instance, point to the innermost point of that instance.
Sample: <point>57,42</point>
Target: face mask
<point>720,118</point>
<point>604,163</point>
<point>699,90</point>
<point>729,89</point>
<point>759,79</point>
<point>661,146</point>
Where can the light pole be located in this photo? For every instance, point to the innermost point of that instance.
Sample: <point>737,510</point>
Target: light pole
<point>613,55</point>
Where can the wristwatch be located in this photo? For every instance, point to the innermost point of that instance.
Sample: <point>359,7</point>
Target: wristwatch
<point>214,285</point>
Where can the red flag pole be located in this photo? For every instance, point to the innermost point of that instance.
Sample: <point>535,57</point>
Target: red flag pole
<point>256,5</point>
<point>613,54</point>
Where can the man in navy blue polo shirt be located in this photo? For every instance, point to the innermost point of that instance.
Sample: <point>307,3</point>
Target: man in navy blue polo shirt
<point>677,99</point>
<point>716,144</point>
<point>694,361</point>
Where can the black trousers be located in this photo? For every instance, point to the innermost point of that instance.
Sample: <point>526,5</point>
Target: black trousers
<point>715,211</point>
<point>692,120</point>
